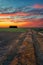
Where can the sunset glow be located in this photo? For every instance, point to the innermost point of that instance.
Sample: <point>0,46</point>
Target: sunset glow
<point>8,22</point>
<point>29,14</point>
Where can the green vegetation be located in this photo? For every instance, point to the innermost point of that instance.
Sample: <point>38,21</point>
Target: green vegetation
<point>13,30</point>
<point>38,29</point>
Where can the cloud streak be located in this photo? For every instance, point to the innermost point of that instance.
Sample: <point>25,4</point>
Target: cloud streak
<point>37,6</point>
<point>28,16</point>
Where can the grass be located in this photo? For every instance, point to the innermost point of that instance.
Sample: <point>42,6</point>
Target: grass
<point>12,30</point>
<point>38,29</point>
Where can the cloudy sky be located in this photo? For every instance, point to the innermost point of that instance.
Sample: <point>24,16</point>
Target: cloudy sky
<point>23,13</point>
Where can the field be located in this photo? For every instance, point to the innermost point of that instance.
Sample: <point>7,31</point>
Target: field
<point>13,30</point>
<point>38,29</point>
<point>21,46</point>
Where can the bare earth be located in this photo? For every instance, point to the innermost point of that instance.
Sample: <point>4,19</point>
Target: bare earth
<point>21,48</point>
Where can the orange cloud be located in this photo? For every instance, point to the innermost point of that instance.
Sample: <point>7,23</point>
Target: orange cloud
<point>25,23</point>
<point>22,14</point>
<point>38,6</point>
<point>14,14</point>
<point>35,23</point>
<point>7,14</point>
<point>6,22</point>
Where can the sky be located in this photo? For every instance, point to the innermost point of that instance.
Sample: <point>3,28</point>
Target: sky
<point>23,13</point>
<point>19,3</point>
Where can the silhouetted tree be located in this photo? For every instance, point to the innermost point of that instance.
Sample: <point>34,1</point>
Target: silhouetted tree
<point>12,26</point>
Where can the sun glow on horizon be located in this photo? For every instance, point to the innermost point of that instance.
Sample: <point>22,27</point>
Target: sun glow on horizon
<point>7,20</point>
<point>7,24</point>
